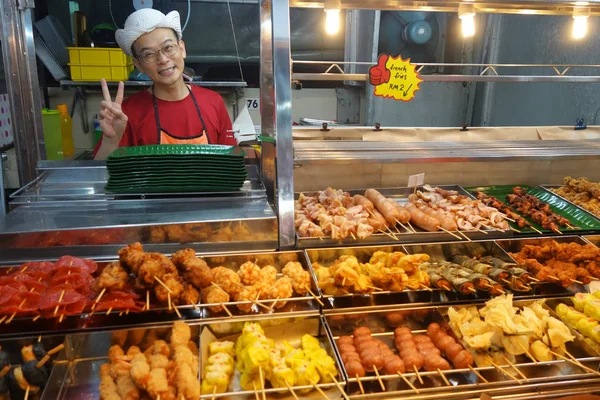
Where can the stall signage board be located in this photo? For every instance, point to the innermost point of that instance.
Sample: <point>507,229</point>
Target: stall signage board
<point>394,78</point>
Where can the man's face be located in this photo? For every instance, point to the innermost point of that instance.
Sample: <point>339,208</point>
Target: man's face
<point>161,68</point>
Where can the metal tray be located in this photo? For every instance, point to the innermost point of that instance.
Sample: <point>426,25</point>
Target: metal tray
<point>400,194</point>
<point>464,383</point>
<point>89,351</point>
<point>117,319</point>
<point>412,298</point>
<point>441,252</point>
<point>545,289</point>
<point>549,187</point>
<point>296,304</point>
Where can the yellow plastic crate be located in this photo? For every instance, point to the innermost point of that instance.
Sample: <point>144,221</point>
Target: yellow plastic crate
<point>95,63</point>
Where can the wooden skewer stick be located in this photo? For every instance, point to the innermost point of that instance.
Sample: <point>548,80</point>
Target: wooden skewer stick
<point>169,301</point>
<point>266,307</point>
<point>528,354</point>
<point>385,233</point>
<point>321,391</point>
<point>362,389</point>
<point>505,373</point>
<point>62,293</point>
<point>403,226</point>
<point>168,289</point>
<point>344,281</point>
<point>34,318</point>
<point>226,310</point>
<point>478,374</point>
<point>481,230</point>
<point>219,287</point>
<point>340,388</point>
<point>379,379</point>
<point>262,382</point>
<point>576,281</point>
<point>553,277</point>
<point>291,390</point>
<point>26,393</point>
<point>450,233</point>
<point>509,219</point>
<point>12,316</point>
<point>98,298</point>
<point>411,227</point>
<point>255,390</point>
<point>575,362</point>
<point>214,393</point>
<point>425,287</point>
<point>513,229</point>
<point>43,361</point>
<point>558,231</point>
<point>473,290</point>
<point>39,338</point>
<point>515,368</point>
<point>275,302</point>
<point>313,295</point>
<point>107,311</point>
<point>443,377</point>
<point>3,318</point>
<point>56,349</point>
<point>177,311</point>
<point>147,300</point>
<point>418,374</point>
<point>392,233</point>
<point>465,236</point>
<point>535,229</point>
<point>408,383</point>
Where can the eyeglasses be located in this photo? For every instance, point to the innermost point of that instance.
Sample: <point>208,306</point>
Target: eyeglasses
<point>151,57</point>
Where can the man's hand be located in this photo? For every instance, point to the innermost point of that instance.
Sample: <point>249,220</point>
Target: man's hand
<point>111,117</point>
<point>379,74</point>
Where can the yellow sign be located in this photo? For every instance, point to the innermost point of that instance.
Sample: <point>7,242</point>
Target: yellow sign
<point>394,78</point>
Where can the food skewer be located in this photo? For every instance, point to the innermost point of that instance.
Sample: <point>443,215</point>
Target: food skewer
<point>168,289</point>
<point>291,390</point>
<point>226,310</point>
<point>379,379</point>
<point>478,374</point>
<point>262,382</point>
<point>505,373</point>
<point>465,236</point>
<point>450,233</point>
<point>418,374</point>
<point>574,362</point>
<point>177,311</point>
<point>340,388</point>
<point>360,385</point>
<point>314,296</point>
<point>408,383</point>
<point>318,389</point>
<point>443,377</point>
<point>255,390</point>
<point>98,298</point>
<point>515,368</point>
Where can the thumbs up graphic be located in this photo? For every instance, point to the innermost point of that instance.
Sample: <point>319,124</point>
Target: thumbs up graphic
<point>379,74</point>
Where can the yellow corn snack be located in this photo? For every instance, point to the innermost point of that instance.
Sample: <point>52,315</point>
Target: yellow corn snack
<point>580,300</point>
<point>310,343</point>
<point>225,368</point>
<point>253,357</point>
<point>306,375</point>
<point>592,309</point>
<point>247,380</point>
<point>220,358</point>
<point>280,375</point>
<point>221,347</point>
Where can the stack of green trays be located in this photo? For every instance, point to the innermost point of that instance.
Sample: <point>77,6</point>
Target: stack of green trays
<point>176,168</point>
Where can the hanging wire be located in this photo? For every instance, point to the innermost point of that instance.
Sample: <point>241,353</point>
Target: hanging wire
<point>237,52</point>
<point>111,14</point>
<point>187,19</point>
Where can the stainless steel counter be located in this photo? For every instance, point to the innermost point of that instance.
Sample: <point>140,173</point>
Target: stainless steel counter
<point>344,151</point>
<point>67,206</point>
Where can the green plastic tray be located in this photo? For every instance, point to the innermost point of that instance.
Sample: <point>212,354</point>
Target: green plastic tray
<point>576,216</point>
<point>170,189</point>
<point>169,168</point>
<point>183,181</point>
<point>161,150</point>
<point>225,160</point>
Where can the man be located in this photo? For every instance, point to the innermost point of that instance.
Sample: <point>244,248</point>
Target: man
<point>171,111</point>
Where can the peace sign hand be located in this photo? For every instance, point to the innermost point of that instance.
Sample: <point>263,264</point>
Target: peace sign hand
<point>111,117</point>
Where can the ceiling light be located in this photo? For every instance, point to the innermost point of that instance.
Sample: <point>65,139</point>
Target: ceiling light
<point>580,20</point>
<point>332,16</point>
<point>466,13</point>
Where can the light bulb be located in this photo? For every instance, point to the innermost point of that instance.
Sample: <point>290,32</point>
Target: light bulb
<point>468,24</point>
<point>332,21</point>
<point>579,27</point>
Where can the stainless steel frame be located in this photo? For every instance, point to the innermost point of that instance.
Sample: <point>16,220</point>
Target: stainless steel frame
<point>276,116</point>
<point>22,84</point>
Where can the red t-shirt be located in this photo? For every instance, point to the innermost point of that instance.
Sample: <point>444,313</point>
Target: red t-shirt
<point>179,118</point>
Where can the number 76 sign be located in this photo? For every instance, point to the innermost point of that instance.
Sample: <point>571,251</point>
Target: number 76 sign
<point>394,78</point>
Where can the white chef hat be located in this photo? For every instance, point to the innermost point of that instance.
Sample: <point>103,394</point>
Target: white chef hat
<point>144,21</point>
